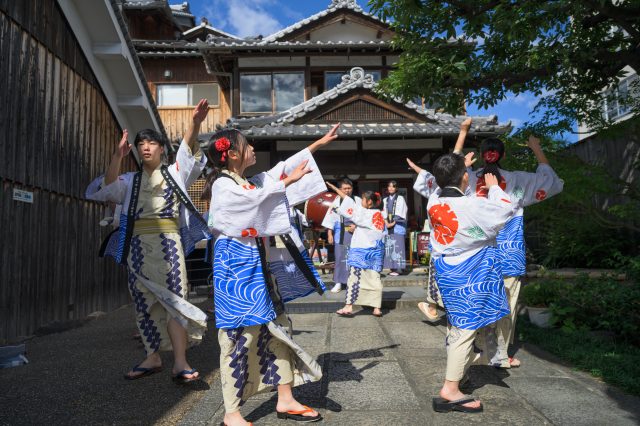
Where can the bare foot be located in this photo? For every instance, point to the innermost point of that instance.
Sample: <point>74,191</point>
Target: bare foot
<point>347,310</point>
<point>234,419</point>
<point>177,368</point>
<point>294,405</point>
<point>453,396</point>
<point>514,362</point>
<point>152,361</point>
<point>377,312</point>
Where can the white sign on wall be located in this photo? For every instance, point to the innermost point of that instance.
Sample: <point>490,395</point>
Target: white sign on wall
<point>24,196</point>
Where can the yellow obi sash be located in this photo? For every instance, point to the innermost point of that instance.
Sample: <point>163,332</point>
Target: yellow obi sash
<point>155,226</point>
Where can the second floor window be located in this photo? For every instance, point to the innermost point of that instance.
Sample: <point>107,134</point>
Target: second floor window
<point>184,95</point>
<point>617,102</point>
<point>271,92</point>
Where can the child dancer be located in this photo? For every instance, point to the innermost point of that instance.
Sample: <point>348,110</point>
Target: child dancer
<point>366,252</point>
<point>467,270</point>
<point>257,353</point>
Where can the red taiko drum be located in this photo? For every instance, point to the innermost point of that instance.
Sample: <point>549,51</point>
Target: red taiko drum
<point>316,208</point>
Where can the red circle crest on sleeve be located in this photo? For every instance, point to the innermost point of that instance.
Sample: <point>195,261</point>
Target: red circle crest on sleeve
<point>444,222</point>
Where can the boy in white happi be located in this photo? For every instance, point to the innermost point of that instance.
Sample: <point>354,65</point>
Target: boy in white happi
<point>523,188</point>
<point>158,228</point>
<point>339,233</point>
<point>395,210</point>
<point>253,277</point>
<point>467,270</point>
<point>366,252</point>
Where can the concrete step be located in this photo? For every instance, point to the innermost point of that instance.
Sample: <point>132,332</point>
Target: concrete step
<point>392,298</point>
<point>415,278</point>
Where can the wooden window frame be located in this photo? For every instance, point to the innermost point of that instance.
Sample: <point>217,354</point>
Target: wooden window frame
<point>189,83</point>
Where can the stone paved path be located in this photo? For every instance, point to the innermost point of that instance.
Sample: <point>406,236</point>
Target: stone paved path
<point>376,372</point>
<point>385,371</point>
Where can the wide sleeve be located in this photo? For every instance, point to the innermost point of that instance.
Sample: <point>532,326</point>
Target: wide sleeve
<point>311,184</point>
<point>425,184</point>
<point>332,216</point>
<point>365,218</point>
<point>249,211</point>
<point>400,214</point>
<point>115,192</point>
<point>493,212</point>
<point>535,187</point>
<point>188,165</point>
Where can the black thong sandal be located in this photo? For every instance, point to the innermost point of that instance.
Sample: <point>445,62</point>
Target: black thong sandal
<point>145,372</point>
<point>299,415</point>
<point>181,378</point>
<point>442,405</point>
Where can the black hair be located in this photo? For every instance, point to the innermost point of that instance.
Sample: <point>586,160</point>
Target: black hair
<point>149,135</point>
<point>216,162</point>
<point>373,196</point>
<point>345,181</point>
<point>394,183</point>
<point>449,170</point>
<point>492,144</point>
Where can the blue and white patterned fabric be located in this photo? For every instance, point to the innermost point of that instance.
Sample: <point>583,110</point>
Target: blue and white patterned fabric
<point>367,258</point>
<point>511,247</point>
<point>240,292</point>
<point>472,291</point>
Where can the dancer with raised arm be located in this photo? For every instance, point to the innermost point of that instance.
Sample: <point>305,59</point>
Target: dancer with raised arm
<point>158,228</point>
<point>257,352</point>
<point>366,252</point>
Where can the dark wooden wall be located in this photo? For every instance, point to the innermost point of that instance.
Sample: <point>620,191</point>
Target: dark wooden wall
<point>57,133</point>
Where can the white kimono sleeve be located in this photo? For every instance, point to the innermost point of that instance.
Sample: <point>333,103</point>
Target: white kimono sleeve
<point>538,186</point>
<point>311,184</point>
<point>332,216</point>
<point>494,211</point>
<point>188,166</point>
<point>425,184</point>
<point>115,192</point>
<point>401,208</point>
<point>364,218</point>
<point>249,211</point>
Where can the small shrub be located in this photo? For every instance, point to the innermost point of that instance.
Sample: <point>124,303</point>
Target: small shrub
<point>541,294</point>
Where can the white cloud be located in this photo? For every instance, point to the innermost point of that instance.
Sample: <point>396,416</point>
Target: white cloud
<point>245,18</point>
<point>516,122</point>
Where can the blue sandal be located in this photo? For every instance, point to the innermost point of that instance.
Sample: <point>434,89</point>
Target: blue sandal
<point>181,378</point>
<point>145,372</point>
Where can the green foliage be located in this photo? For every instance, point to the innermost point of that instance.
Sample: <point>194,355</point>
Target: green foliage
<point>602,304</point>
<point>617,363</point>
<point>478,51</point>
<point>541,294</point>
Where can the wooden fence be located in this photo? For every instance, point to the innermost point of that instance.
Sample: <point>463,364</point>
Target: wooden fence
<point>57,133</point>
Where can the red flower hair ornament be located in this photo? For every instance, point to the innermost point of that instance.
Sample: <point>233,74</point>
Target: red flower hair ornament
<point>491,156</point>
<point>222,145</point>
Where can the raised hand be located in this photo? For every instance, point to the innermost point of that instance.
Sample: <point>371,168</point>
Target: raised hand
<point>124,147</point>
<point>466,124</point>
<point>490,180</point>
<point>469,160</point>
<point>326,139</point>
<point>533,142</point>
<point>299,172</point>
<point>335,189</point>
<point>413,166</point>
<point>200,111</point>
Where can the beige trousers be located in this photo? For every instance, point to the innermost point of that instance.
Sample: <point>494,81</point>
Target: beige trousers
<point>466,348</point>
<point>364,288</point>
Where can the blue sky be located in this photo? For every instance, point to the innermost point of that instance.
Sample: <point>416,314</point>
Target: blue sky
<point>252,17</point>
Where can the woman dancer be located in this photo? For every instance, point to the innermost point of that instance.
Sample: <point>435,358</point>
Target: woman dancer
<point>257,353</point>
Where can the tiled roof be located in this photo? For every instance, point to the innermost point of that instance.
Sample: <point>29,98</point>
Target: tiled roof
<point>335,5</point>
<point>209,27</point>
<point>435,122</point>
<point>219,43</point>
<point>354,80</point>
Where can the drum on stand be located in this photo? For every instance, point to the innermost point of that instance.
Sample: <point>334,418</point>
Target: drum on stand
<point>315,210</point>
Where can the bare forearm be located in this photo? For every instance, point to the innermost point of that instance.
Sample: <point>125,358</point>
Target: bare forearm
<point>191,137</point>
<point>457,149</point>
<point>314,146</point>
<point>537,151</point>
<point>113,170</point>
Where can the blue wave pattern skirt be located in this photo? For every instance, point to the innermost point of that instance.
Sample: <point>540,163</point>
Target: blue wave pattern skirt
<point>473,291</point>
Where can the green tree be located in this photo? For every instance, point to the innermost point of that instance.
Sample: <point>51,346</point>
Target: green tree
<point>564,51</point>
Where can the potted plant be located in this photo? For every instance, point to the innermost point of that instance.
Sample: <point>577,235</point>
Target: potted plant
<point>537,297</point>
